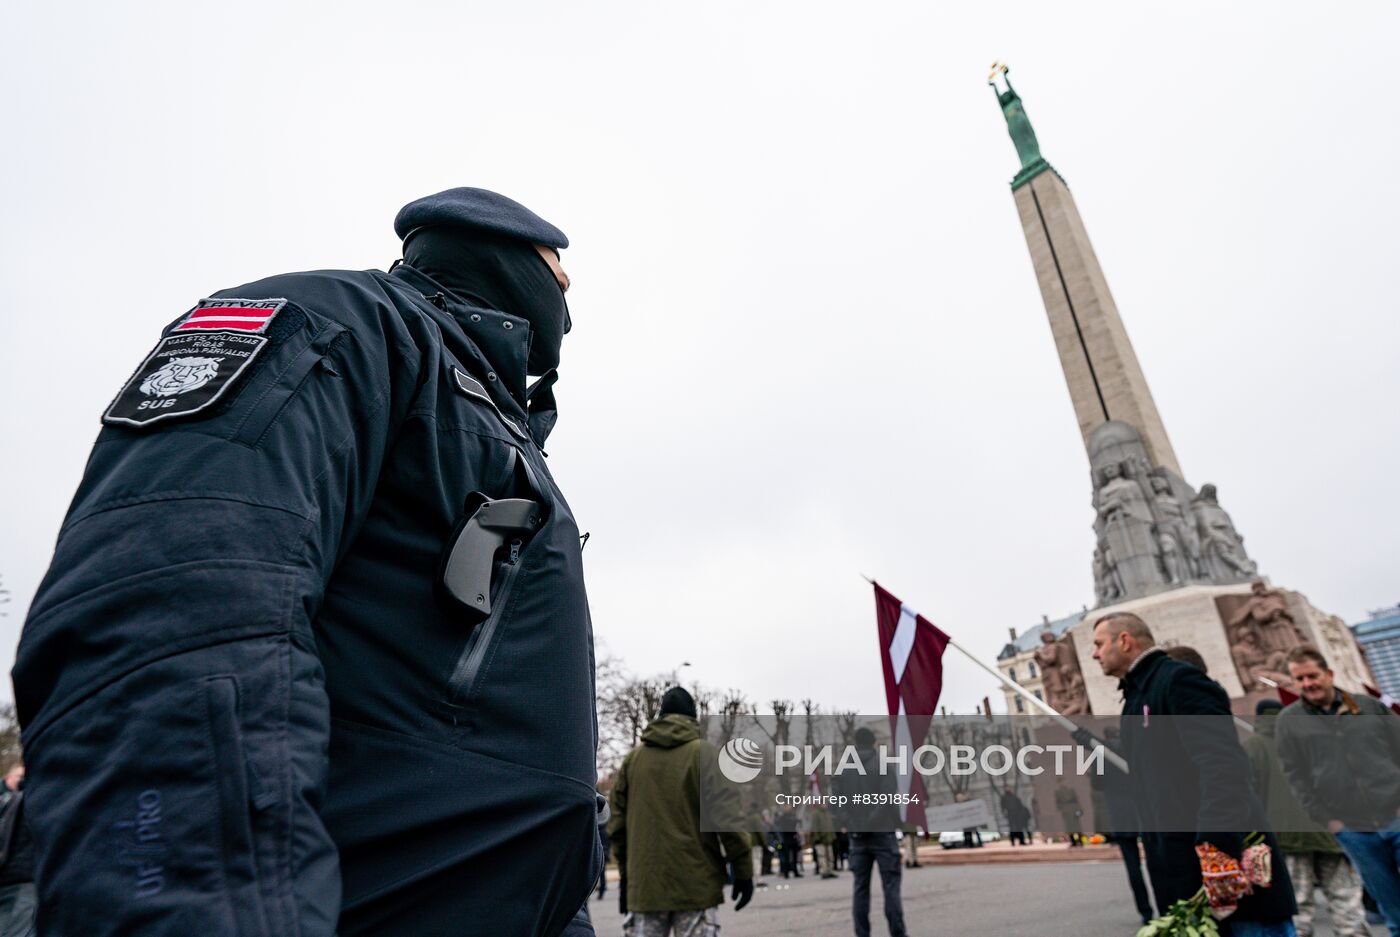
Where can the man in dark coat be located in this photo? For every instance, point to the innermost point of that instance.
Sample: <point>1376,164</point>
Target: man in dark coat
<point>1018,817</point>
<point>872,818</point>
<point>1190,777</point>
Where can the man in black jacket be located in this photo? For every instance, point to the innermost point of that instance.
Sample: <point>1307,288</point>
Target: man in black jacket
<point>1190,775</point>
<point>872,818</point>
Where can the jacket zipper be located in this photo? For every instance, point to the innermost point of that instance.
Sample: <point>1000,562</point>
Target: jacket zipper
<point>469,664</point>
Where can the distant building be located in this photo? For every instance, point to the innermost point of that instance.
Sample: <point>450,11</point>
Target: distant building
<point>1379,637</point>
<point>1017,659</point>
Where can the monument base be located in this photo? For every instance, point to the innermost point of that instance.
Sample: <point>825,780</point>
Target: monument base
<point>1191,616</point>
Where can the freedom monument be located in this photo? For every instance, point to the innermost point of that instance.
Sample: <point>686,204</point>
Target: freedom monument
<point>1164,550</point>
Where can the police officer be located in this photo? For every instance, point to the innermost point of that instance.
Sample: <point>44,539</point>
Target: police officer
<point>314,656</point>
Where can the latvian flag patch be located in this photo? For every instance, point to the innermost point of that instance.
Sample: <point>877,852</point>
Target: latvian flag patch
<point>237,315</point>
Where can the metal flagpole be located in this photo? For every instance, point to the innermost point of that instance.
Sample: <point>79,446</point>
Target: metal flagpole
<point>1030,697</point>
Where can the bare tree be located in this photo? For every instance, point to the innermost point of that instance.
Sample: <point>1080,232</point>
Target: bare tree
<point>846,724</point>
<point>625,705</point>
<point>782,728</point>
<point>732,709</point>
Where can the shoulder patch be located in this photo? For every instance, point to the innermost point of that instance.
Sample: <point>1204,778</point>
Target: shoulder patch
<point>194,365</point>
<point>241,315</point>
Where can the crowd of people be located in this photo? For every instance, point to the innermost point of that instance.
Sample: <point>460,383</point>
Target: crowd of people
<point>1318,781</point>
<point>1316,786</point>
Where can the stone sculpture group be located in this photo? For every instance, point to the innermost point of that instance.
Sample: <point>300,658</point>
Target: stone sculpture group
<point>1153,531</point>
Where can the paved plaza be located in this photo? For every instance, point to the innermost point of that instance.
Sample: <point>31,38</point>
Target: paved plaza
<point>1042,899</point>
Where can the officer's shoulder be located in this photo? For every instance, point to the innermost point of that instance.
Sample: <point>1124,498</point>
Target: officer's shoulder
<point>350,297</point>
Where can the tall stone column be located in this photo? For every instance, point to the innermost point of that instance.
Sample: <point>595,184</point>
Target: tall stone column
<point>1102,371</point>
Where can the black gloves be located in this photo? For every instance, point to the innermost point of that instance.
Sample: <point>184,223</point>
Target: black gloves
<point>743,891</point>
<point>622,895</point>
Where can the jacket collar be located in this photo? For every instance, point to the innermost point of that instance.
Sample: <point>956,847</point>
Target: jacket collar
<point>504,339</point>
<point>1342,704</point>
<point>505,348</point>
<point>1142,669</point>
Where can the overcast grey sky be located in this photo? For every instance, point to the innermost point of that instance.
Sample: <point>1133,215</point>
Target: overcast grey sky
<point>808,341</point>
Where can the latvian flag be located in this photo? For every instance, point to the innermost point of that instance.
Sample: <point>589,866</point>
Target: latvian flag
<point>238,315</point>
<point>911,653</point>
<point>1385,698</point>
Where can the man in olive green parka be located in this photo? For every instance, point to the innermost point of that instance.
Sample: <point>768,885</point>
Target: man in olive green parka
<point>673,874</point>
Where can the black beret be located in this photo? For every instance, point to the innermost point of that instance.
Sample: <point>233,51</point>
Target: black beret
<point>477,208</point>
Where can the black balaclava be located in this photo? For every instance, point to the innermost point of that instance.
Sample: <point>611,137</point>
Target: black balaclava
<point>501,273</point>
<point>677,701</point>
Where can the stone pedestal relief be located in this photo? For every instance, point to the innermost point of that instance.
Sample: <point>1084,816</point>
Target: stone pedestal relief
<point>1061,675</point>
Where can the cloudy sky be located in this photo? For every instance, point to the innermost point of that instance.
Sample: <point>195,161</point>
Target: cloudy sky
<point>808,340</point>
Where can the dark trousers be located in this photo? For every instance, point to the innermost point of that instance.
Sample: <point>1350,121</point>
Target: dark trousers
<point>1018,837</point>
<point>872,849</point>
<point>790,861</point>
<point>767,859</point>
<point>1132,861</point>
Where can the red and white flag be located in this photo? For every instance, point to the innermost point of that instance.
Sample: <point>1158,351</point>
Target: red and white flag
<point>911,654</point>
<point>1385,698</point>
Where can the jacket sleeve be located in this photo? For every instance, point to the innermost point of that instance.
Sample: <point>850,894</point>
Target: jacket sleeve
<point>1296,767</point>
<point>175,716</point>
<point>723,812</point>
<point>1201,714</point>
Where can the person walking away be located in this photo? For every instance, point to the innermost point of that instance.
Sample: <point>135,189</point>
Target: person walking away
<point>873,845</point>
<point>911,845</point>
<point>1315,860</point>
<point>789,843</point>
<point>674,873</point>
<point>1018,817</point>
<point>761,837</point>
<point>1067,805</point>
<point>1341,754</point>
<point>843,847</point>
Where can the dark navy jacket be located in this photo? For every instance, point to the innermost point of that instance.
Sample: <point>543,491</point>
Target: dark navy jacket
<point>245,710</point>
<point>1192,783</point>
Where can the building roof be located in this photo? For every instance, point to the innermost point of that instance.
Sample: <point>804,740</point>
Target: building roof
<point>1381,621</point>
<point>1029,639</point>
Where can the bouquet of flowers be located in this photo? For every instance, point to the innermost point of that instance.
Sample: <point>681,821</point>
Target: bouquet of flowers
<point>1225,881</point>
